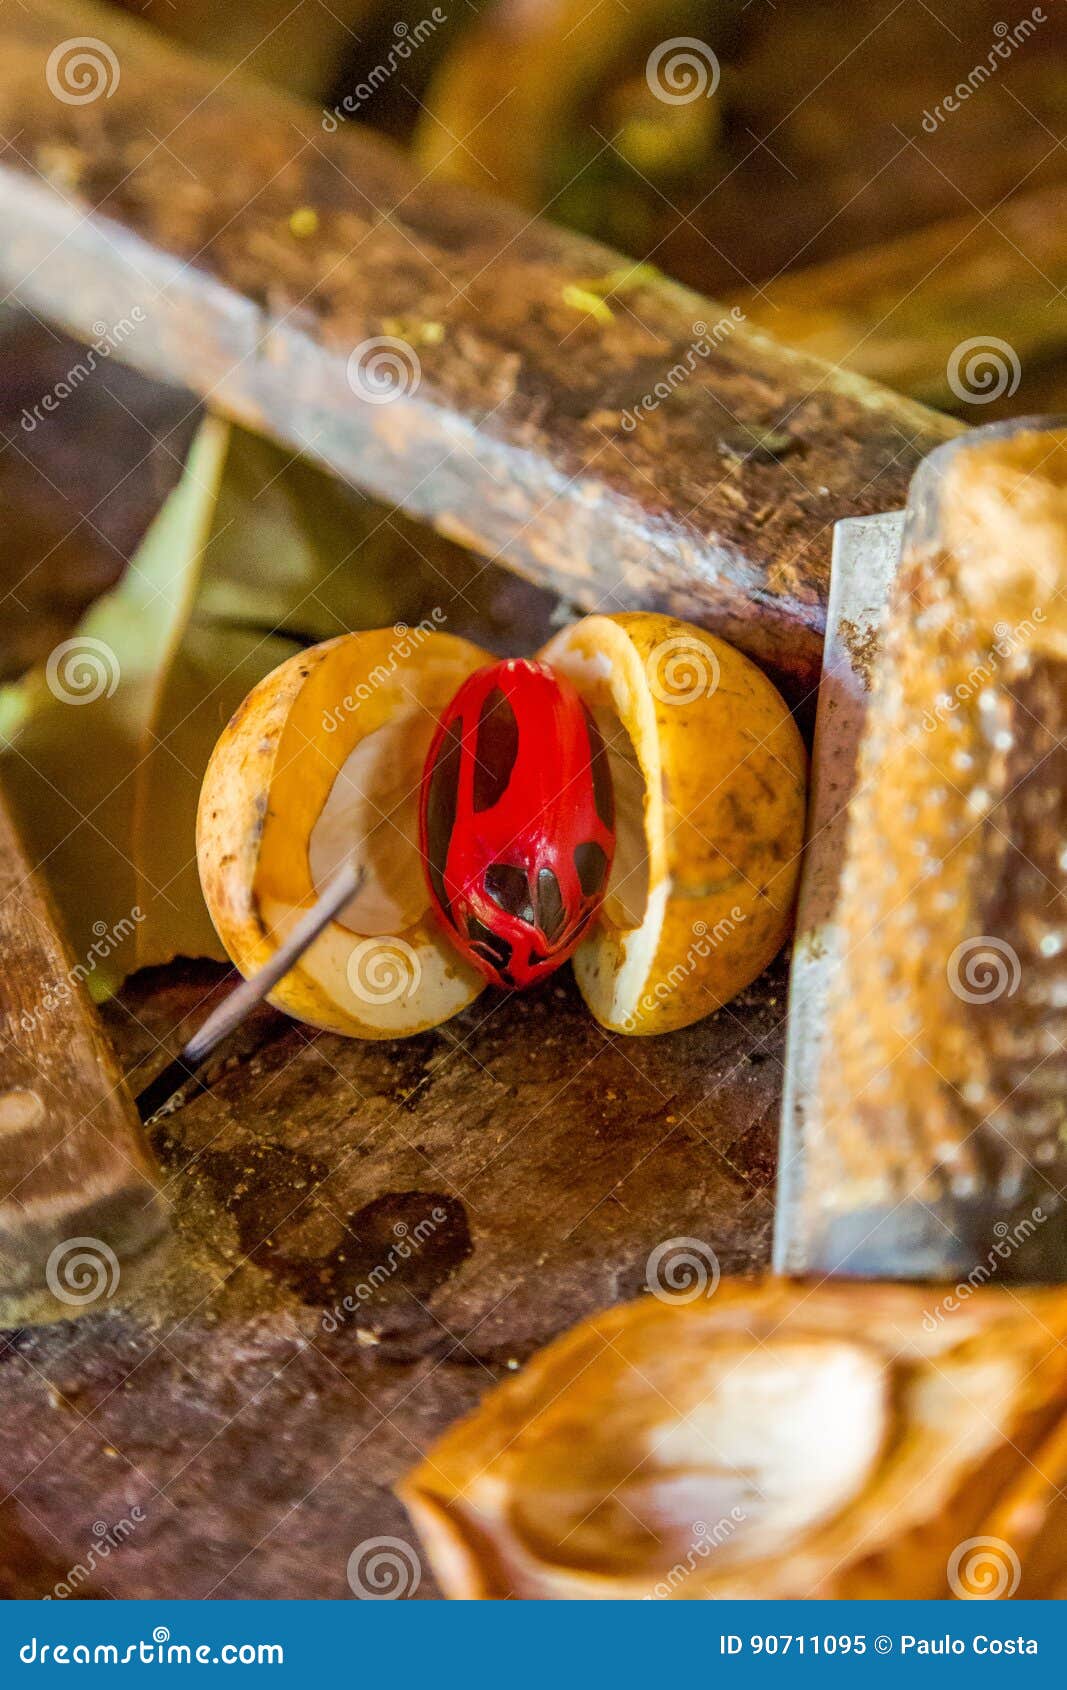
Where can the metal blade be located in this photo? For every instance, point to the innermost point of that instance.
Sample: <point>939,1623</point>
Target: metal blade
<point>866,553</point>
<point>946,1230</point>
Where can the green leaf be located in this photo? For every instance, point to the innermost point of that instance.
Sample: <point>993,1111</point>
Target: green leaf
<point>254,555</point>
<point>74,734</point>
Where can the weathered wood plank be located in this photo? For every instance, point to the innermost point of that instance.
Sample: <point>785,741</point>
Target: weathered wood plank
<point>253,1417</point>
<point>534,428</point>
<point>77,1185</point>
<point>899,313</point>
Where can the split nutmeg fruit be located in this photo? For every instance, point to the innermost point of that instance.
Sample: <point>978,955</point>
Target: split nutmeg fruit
<point>672,882</point>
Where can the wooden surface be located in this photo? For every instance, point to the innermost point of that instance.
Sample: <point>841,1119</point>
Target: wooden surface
<point>897,312</point>
<point>74,1168</point>
<point>513,440</point>
<point>261,1446</point>
<point>208,1393</point>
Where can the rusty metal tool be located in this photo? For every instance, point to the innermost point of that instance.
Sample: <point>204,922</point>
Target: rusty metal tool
<point>240,1002</point>
<point>921,1134</point>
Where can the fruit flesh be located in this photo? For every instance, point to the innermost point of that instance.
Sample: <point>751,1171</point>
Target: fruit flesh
<point>325,750</point>
<point>325,759</point>
<point>710,832</point>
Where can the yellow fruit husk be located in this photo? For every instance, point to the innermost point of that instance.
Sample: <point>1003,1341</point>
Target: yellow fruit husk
<point>710,778</point>
<point>323,760</point>
<point>767,1439</point>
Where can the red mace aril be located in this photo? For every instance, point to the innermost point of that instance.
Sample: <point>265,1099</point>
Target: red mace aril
<point>517,821</point>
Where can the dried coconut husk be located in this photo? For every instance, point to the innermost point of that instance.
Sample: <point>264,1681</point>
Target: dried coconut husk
<point>774,1439</point>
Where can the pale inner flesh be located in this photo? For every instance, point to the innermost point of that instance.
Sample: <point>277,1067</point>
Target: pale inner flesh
<point>372,815</point>
<point>611,682</point>
<point>775,1439</point>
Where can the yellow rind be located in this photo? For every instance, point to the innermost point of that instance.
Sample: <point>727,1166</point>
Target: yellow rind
<point>265,787</point>
<point>723,816</point>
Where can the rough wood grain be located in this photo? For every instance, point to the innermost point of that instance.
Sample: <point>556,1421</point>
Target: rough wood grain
<point>514,438</point>
<point>254,1420</point>
<point>77,1185</point>
<point>898,313</point>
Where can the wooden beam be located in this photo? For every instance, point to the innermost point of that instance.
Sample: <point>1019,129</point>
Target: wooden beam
<point>901,312</point>
<point>78,1186</point>
<point>599,428</point>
